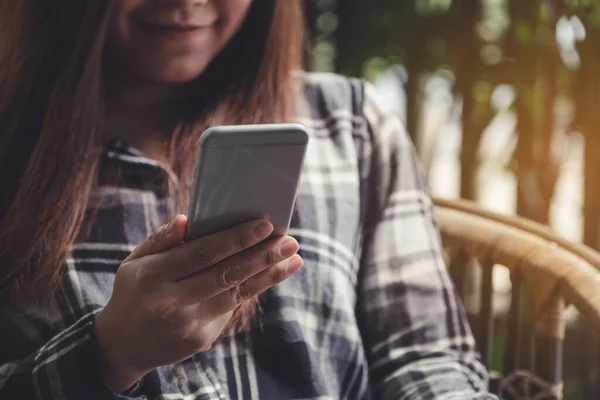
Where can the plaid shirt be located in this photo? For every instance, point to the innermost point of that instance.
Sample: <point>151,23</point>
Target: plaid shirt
<point>372,315</point>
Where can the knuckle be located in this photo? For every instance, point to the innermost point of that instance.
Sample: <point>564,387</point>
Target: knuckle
<point>230,275</point>
<point>155,236</point>
<point>165,311</point>
<point>270,256</point>
<point>170,316</point>
<point>239,295</point>
<point>278,274</point>
<point>208,255</point>
<point>244,239</point>
<point>142,277</point>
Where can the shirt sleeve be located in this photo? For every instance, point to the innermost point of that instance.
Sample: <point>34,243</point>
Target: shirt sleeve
<point>64,368</point>
<point>417,339</point>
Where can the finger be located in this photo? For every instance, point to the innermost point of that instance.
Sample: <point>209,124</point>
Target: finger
<point>191,257</point>
<point>231,299</point>
<point>234,270</point>
<point>162,239</point>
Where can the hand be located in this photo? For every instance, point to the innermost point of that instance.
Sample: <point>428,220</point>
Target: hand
<point>172,300</point>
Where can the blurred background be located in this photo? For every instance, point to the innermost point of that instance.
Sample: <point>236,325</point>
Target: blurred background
<point>501,100</point>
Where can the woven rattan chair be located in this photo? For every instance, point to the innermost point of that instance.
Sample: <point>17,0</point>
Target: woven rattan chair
<point>547,271</point>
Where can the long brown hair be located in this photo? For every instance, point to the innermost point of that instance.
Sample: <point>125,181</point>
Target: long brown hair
<point>51,96</point>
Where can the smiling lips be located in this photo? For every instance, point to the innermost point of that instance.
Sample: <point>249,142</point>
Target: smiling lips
<point>176,31</point>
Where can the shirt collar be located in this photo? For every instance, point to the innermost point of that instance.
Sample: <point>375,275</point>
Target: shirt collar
<point>124,166</point>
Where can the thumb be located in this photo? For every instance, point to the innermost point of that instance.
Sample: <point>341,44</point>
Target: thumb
<point>162,239</point>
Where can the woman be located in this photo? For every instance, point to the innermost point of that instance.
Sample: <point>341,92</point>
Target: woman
<point>101,104</point>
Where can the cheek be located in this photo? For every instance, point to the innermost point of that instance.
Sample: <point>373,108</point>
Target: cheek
<point>232,8</point>
<point>233,12</point>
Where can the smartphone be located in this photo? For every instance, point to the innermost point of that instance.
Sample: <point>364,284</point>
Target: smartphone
<point>243,173</point>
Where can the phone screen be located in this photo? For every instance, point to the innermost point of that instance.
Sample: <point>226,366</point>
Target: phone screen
<point>241,183</point>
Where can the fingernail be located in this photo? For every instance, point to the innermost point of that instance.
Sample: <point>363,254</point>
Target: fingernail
<point>263,229</point>
<point>289,247</point>
<point>294,265</point>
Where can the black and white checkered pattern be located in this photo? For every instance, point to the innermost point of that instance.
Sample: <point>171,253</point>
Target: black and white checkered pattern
<point>372,315</point>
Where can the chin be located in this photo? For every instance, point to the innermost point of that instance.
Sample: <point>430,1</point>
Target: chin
<point>181,73</point>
